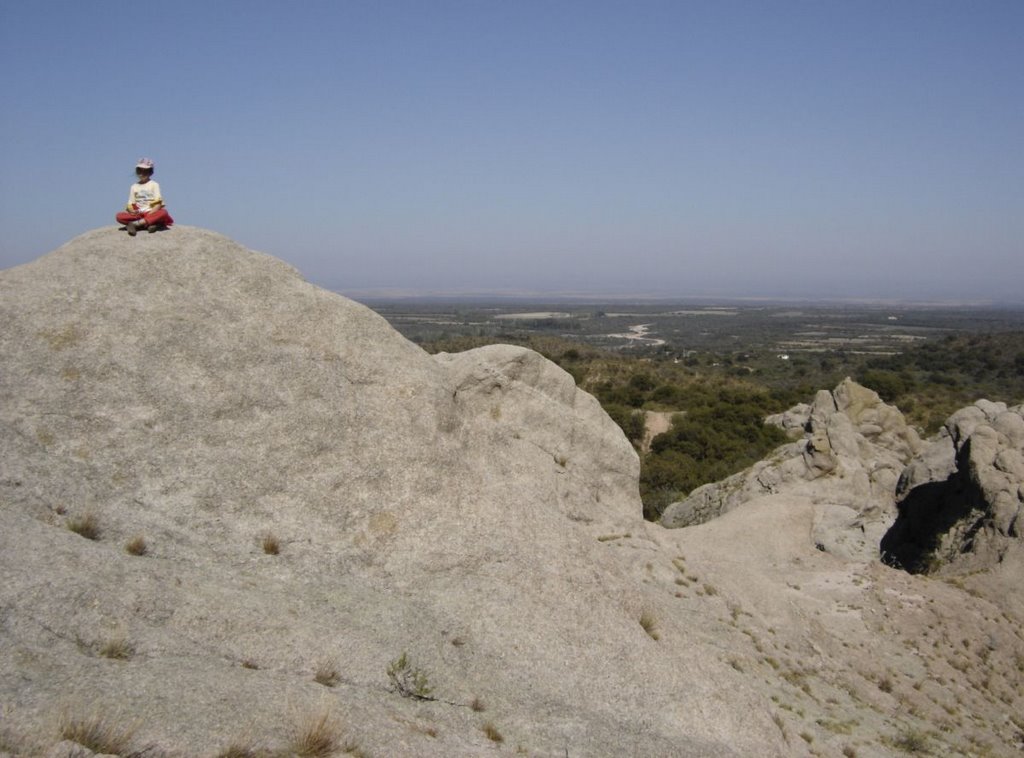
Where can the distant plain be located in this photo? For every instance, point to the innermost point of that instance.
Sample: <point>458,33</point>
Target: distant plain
<point>677,329</point>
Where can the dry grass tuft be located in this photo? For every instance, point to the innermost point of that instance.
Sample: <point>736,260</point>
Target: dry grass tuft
<point>477,705</point>
<point>85,525</point>
<point>271,545</point>
<point>118,649</point>
<point>649,624</point>
<point>326,673</point>
<point>492,732</point>
<point>316,735</point>
<point>97,732</point>
<point>136,545</point>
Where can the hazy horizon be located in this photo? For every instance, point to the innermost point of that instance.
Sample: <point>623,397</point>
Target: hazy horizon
<point>867,150</point>
<point>484,296</point>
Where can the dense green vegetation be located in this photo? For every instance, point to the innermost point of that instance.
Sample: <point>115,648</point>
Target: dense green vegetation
<point>936,378</point>
<point>717,428</point>
<point>719,398</point>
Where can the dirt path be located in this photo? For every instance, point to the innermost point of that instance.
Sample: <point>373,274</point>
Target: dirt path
<point>655,423</point>
<point>638,333</point>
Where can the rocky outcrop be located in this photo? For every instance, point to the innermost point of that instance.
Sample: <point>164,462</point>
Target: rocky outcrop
<point>231,503</point>
<point>961,500</point>
<point>848,460</point>
<point>181,393</point>
<point>505,393</point>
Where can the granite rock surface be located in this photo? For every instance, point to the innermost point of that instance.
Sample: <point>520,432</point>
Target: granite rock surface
<point>961,500</point>
<point>231,501</point>
<point>850,450</point>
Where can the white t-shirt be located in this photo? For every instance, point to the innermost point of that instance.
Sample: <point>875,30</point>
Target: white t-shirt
<point>147,196</point>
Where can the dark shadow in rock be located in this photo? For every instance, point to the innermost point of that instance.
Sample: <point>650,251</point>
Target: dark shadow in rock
<point>936,522</point>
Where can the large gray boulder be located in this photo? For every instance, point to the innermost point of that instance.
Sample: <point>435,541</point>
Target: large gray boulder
<point>851,449</point>
<point>179,388</point>
<point>477,512</point>
<point>961,500</point>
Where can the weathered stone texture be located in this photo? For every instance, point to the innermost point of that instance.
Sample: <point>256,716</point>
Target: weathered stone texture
<point>848,461</point>
<point>961,499</point>
<point>477,512</point>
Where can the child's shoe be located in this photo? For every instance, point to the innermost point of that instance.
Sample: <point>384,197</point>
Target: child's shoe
<point>131,228</point>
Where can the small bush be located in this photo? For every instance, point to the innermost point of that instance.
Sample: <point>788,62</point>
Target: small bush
<point>136,545</point>
<point>86,525</point>
<point>477,704</point>
<point>408,681</point>
<point>97,732</point>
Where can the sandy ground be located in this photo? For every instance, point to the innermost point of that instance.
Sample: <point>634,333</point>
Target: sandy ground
<point>655,423</point>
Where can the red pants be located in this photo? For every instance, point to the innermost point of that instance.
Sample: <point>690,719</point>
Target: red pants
<point>159,217</point>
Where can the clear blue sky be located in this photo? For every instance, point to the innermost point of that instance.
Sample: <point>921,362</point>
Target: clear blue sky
<point>861,148</point>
